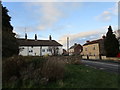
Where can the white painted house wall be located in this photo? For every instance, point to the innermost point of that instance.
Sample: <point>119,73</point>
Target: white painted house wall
<point>38,50</point>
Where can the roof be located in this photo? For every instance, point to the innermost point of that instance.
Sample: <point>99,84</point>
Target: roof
<point>30,42</point>
<point>93,42</point>
<point>74,46</point>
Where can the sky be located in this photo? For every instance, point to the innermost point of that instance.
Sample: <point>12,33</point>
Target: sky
<point>80,21</point>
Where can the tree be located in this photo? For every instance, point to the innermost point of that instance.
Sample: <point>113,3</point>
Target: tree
<point>9,42</point>
<point>111,44</point>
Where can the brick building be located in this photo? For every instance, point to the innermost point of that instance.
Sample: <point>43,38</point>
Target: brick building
<point>76,49</point>
<point>94,48</point>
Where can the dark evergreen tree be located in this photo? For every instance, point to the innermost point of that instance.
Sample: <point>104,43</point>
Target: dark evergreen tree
<point>9,42</point>
<point>111,44</point>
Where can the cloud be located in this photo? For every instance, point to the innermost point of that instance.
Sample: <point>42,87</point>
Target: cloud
<point>24,29</point>
<point>82,37</point>
<point>45,0</point>
<point>114,9</point>
<point>50,13</point>
<point>61,0</point>
<point>107,15</point>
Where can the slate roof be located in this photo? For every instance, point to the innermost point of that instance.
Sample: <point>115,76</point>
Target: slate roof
<point>74,46</point>
<point>30,42</point>
<point>93,42</point>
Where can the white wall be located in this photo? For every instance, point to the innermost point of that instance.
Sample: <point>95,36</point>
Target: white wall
<point>23,50</point>
<point>37,50</point>
<point>60,50</point>
<point>46,52</point>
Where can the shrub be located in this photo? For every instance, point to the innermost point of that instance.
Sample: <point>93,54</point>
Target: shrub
<point>10,68</point>
<point>25,69</point>
<point>53,69</point>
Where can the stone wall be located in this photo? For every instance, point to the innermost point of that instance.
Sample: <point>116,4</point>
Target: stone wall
<point>67,59</point>
<point>102,58</point>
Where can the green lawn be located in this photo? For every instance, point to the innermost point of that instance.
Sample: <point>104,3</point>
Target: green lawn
<point>80,76</point>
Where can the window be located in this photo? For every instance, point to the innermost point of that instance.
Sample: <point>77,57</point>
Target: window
<point>80,50</point>
<point>94,48</point>
<point>43,50</point>
<point>89,53</point>
<point>49,50</point>
<point>85,49</point>
<point>31,51</point>
<point>23,48</point>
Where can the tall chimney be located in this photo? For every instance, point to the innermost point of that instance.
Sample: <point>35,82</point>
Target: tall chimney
<point>50,38</point>
<point>25,36</point>
<point>35,37</point>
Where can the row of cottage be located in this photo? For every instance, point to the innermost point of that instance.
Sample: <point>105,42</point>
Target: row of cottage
<point>35,47</point>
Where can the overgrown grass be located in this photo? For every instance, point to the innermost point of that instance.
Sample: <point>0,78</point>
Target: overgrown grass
<point>19,71</point>
<point>80,76</point>
<point>49,72</point>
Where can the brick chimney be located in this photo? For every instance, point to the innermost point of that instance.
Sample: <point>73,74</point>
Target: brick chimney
<point>87,41</point>
<point>35,37</point>
<point>75,43</point>
<point>50,38</point>
<point>103,37</point>
<point>25,36</point>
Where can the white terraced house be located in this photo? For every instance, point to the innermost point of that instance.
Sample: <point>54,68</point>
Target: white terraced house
<point>34,47</point>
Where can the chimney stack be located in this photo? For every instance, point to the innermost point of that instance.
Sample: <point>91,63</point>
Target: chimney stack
<point>25,36</point>
<point>75,43</point>
<point>35,37</point>
<point>103,37</point>
<point>87,41</point>
<point>50,38</point>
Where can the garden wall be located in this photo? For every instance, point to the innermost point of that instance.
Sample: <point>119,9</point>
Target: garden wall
<point>102,57</point>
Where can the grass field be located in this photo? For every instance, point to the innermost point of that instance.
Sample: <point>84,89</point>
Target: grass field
<point>80,76</point>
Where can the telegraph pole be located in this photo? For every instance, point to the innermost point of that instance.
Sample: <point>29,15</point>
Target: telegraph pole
<point>68,45</point>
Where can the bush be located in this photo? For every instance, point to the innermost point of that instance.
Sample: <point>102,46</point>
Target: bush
<point>23,69</point>
<point>53,69</point>
<point>11,68</point>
